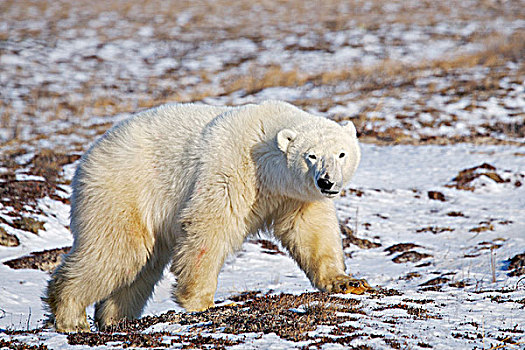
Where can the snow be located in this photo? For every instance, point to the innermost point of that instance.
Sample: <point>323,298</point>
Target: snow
<point>65,79</point>
<point>394,206</point>
<point>76,59</point>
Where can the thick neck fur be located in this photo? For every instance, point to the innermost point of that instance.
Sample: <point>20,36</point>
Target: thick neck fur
<point>272,173</point>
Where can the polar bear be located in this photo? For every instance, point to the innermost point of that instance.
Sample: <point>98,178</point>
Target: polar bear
<point>186,184</point>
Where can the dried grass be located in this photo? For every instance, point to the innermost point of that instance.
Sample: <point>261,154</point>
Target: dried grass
<point>259,79</point>
<point>218,20</point>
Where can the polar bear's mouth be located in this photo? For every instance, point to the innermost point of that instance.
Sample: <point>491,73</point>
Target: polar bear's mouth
<point>329,193</point>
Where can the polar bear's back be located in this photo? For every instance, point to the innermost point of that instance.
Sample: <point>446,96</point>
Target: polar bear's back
<point>146,139</point>
<point>177,124</point>
<point>147,165</point>
<point>139,165</point>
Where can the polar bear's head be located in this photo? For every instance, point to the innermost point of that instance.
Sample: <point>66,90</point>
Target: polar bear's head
<point>325,155</point>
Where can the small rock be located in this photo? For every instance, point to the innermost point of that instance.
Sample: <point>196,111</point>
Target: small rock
<point>349,238</point>
<point>46,260</point>
<point>8,240</point>
<point>435,281</point>
<point>436,196</point>
<point>28,224</point>
<point>401,247</point>
<point>517,265</point>
<point>411,275</point>
<point>482,228</point>
<point>410,256</point>
<point>455,214</point>
<point>435,229</point>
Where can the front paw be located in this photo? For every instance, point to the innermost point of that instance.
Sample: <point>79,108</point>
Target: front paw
<point>346,284</point>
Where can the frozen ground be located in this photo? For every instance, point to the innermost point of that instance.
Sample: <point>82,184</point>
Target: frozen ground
<point>460,65</point>
<point>435,217</point>
<point>447,277</point>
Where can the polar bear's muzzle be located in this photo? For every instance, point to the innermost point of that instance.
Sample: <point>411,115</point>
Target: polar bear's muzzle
<point>328,176</point>
<point>328,186</point>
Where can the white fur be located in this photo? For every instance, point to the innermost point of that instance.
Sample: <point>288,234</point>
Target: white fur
<point>188,183</point>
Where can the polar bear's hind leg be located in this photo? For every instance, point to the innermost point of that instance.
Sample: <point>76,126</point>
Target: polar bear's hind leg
<point>128,301</point>
<point>95,271</point>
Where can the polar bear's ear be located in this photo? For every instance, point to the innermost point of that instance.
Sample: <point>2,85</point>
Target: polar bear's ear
<point>349,127</point>
<point>284,137</point>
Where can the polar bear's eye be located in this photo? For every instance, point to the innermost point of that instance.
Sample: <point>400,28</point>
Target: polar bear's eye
<point>312,156</point>
<point>342,155</point>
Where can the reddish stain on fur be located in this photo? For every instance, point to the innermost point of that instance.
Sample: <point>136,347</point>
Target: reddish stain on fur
<point>199,257</point>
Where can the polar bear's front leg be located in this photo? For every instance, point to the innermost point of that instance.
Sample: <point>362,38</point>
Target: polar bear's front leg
<point>210,232</point>
<point>311,234</point>
<point>196,265</point>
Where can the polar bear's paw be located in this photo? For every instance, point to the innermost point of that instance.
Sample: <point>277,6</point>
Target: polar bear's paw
<point>72,327</point>
<point>346,284</point>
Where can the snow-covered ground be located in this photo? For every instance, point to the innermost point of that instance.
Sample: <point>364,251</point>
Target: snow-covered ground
<point>111,59</point>
<point>392,207</point>
<point>434,218</point>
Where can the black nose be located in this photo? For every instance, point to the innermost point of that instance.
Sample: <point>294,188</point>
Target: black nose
<point>324,184</point>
